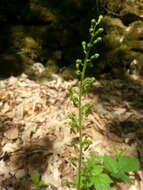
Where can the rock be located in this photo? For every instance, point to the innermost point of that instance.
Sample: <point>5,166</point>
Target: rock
<point>20,174</point>
<point>100,109</point>
<point>120,111</point>
<point>12,133</point>
<point>10,147</point>
<point>124,36</point>
<point>123,44</point>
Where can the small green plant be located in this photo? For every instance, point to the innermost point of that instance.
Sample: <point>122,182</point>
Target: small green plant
<point>98,172</point>
<point>77,95</point>
<point>37,181</point>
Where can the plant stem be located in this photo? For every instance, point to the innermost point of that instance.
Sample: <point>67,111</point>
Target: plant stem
<point>80,116</point>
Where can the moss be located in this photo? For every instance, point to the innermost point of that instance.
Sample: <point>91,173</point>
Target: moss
<point>43,11</point>
<point>112,23</point>
<point>68,74</point>
<point>45,75</point>
<point>30,47</point>
<point>113,39</point>
<point>112,6</point>
<point>135,31</point>
<point>52,66</point>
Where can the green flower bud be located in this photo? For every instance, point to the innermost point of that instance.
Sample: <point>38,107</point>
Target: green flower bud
<point>91,30</point>
<point>99,39</point>
<point>78,73</point>
<point>84,45</point>
<point>77,66</point>
<point>79,61</point>
<point>100,30</point>
<point>93,21</point>
<point>92,35</point>
<point>92,57</point>
<point>99,19</point>
<point>96,55</point>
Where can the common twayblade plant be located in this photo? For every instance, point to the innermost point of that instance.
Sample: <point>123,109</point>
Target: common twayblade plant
<point>77,95</point>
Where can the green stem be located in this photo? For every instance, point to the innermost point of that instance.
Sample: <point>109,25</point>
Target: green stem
<point>80,127</point>
<point>80,117</point>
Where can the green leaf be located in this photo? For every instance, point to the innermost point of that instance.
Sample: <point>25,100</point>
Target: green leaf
<point>41,183</point>
<point>128,164</point>
<point>122,176</point>
<point>93,161</point>
<point>96,159</point>
<point>35,179</point>
<point>96,170</point>
<point>84,182</point>
<point>111,164</point>
<point>102,182</point>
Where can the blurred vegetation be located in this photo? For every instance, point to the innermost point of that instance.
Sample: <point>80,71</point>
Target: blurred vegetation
<point>43,30</point>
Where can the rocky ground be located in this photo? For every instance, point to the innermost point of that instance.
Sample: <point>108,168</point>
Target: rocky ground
<point>35,134</point>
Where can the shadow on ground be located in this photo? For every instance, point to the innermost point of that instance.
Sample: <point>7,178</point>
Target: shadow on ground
<point>29,160</point>
<point>120,102</point>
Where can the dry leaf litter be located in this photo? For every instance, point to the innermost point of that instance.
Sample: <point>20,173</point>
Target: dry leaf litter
<point>35,132</point>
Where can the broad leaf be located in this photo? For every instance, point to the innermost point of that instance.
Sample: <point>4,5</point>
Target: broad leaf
<point>102,182</point>
<point>122,176</point>
<point>111,164</point>
<point>128,164</point>
<point>84,182</point>
<point>96,170</point>
<point>35,179</point>
<point>96,158</point>
<point>41,183</point>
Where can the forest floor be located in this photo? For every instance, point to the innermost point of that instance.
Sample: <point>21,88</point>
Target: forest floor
<point>35,132</point>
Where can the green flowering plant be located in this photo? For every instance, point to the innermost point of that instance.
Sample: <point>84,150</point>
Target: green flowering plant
<point>82,142</point>
<point>97,172</point>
